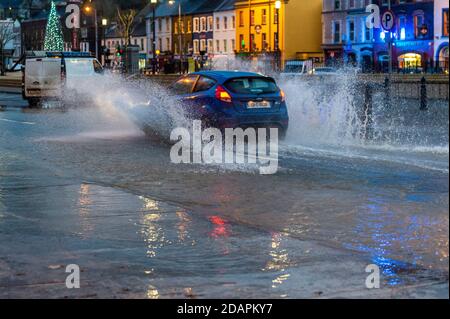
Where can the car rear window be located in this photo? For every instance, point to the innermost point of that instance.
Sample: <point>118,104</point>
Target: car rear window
<point>252,85</point>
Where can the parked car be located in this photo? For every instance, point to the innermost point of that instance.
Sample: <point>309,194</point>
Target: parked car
<point>295,68</point>
<point>47,74</point>
<point>225,99</point>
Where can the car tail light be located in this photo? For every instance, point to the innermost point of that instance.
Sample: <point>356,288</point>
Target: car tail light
<point>223,95</point>
<point>283,96</point>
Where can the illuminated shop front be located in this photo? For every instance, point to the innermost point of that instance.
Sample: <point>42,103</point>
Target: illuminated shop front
<point>410,61</point>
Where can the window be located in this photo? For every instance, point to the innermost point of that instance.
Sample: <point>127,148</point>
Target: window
<point>184,85</point>
<point>204,84</point>
<point>418,23</point>
<point>351,4</point>
<point>241,41</point>
<point>225,23</point>
<point>225,48</point>
<point>159,24</point>
<point>217,45</point>
<point>337,4</point>
<point>401,30</point>
<point>210,48</point>
<point>445,25</point>
<point>97,67</point>
<point>203,24</point>
<point>241,18</point>
<point>263,16</point>
<point>367,32</point>
<point>196,25</point>
<point>196,47</point>
<point>252,17</point>
<point>167,44</point>
<point>218,23</point>
<point>336,32</point>
<point>234,22</point>
<point>264,41</point>
<point>351,30</point>
<point>189,26</point>
<point>210,24</point>
<point>252,85</point>
<point>167,24</point>
<point>203,45</point>
<point>233,44</point>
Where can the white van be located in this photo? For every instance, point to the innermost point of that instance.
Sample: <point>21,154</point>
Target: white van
<point>47,74</point>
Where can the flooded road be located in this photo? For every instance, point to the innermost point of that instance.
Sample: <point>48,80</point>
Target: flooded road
<point>87,187</point>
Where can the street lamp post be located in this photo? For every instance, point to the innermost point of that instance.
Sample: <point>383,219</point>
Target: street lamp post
<point>104,25</point>
<point>171,2</point>
<point>277,48</point>
<point>154,3</point>
<point>390,44</point>
<point>88,9</point>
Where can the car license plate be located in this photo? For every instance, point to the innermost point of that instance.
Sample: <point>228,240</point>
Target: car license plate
<point>258,105</point>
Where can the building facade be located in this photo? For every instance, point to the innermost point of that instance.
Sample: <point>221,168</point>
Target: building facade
<point>413,37</point>
<point>260,26</point>
<point>348,41</point>
<point>303,30</point>
<point>11,51</point>
<point>224,34</point>
<point>441,31</point>
<point>334,15</point>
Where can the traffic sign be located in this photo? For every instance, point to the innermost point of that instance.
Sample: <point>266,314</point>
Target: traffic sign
<point>388,20</point>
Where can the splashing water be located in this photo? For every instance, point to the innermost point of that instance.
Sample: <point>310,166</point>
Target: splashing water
<point>136,105</point>
<point>325,118</point>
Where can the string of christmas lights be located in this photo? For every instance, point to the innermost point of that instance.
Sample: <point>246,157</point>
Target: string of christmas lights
<point>54,40</point>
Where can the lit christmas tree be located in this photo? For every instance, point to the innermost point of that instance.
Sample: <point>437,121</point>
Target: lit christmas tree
<point>53,34</point>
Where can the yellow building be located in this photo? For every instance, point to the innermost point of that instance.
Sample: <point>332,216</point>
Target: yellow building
<point>297,21</point>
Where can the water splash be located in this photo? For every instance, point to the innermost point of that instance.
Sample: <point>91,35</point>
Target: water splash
<point>327,117</point>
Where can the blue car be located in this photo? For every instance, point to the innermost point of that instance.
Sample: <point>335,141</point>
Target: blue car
<point>227,99</point>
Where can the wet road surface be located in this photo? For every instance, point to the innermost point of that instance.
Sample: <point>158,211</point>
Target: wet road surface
<point>86,187</point>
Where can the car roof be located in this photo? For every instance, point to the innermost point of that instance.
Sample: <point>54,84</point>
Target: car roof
<point>225,75</point>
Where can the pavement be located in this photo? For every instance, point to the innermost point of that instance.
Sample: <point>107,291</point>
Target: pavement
<point>9,98</point>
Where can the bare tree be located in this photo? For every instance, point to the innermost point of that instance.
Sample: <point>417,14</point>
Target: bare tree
<point>126,24</point>
<point>6,35</point>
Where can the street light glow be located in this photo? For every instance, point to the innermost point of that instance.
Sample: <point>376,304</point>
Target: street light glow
<point>278,4</point>
<point>104,22</point>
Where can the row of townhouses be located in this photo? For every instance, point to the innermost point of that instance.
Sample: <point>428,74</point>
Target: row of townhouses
<point>332,31</point>
<point>327,31</point>
<point>226,29</point>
